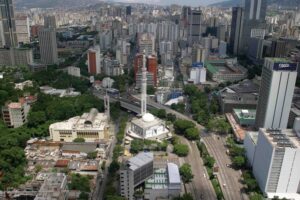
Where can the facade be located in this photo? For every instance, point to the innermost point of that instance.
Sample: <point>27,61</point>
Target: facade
<point>199,54</point>
<point>8,36</point>
<point>134,172</point>
<point>152,67</point>
<point>50,22</point>
<point>48,46</point>
<point>148,127</point>
<point>94,60</point>
<point>22,29</point>
<point>197,73</point>
<point>222,49</point>
<point>194,25</point>
<point>16,56</point>
<point>276,93</point>
<point>225,70</point>
<point>275,161</point>
<point>165,183</point>
<point>74,71</point>
<point>92,126</point>
<point>112,67</point>
<point>146,43</point>
<point>236,30</point>
<point>15,114</point>
<point>54,188</point>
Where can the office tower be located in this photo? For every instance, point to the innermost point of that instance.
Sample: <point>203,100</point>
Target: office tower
<point>22,29</point>
<point>276,93</point>
<point>16,56</point>
<point>254,18</point>
<point>222,49</point>
<point>152,67</point>
<point>199,54</point>
<point>134,172</point>
<point>194,28</point>
<point>94,60</point>
<point>48,46</point>
<point>8,37</point>
<point>275,159</point>
<point>146,43</point>
<point>278,48</point>
<point>221,32</point>
<point>128,10</point>
<point>236,30</point>
<point>50,22</point>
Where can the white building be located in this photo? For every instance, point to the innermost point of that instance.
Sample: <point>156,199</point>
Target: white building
<point>276,93</point>
<point>275,158</point>
<point>134,172</point>
<point>198,74</point>
<point>92,126</point>
<point>148,127</point>
<point>15,114</point>
<point>74,71</point>
<point>21,86</point>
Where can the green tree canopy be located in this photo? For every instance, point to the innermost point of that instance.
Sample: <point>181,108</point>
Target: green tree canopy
<point>181,150</point>
<point>186,173</point>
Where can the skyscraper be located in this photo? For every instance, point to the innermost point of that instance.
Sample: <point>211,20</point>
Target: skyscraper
<point>254,18</point>
<point>194,28</point>
<point>94,60</point>
<point>236,30</point>
<point>276,93</point>
<point>8,36</point>
<point>48,46</point>
<point>50,22</point>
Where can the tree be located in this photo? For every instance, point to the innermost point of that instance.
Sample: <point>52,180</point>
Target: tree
<point>186,196</point>
<point>36,118</point>
<point>239,161</point>
<point>114,197</point>
<point>83,196</point>
<point>136,146</point>
<point>181,126</point>
<point>186,173</point>
<point>114,167</point>
<point>80,182</point>
<point>150,90</point>
<point>181,150</point>
<point>192,134</point>
<point>79,140</point>
<point>171,117</point>
<point>209,161</point>
<point>256,196</point>
<point>92,155</point>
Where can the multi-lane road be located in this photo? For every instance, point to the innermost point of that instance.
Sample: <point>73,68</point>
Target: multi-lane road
<point>200,187</point>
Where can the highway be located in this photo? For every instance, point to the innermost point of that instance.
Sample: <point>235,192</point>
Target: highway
<point>200,187</point>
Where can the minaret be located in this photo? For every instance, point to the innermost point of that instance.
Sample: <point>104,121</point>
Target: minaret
<point>106,106</point>
<point>144,87</point>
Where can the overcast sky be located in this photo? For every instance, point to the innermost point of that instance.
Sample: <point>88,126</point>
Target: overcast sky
<point>168,2</point>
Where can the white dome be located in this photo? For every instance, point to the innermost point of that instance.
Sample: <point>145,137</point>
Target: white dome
<point>148,117</point>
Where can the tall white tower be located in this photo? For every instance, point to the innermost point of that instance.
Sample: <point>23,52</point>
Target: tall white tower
<point>106,106</point>
<point>144,88</point>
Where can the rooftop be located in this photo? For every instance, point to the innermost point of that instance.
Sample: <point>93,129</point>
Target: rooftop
<point>147,121</point>
<point>173,173</point>
<point>227,66</point>
<point>282,138</point>
<point>140,160</point>
<point>245,114</point>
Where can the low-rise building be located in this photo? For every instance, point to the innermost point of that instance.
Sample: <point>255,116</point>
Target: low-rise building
<point>74,71</point>
<point>148,127</point>
<point>54,188</point>
<point>225,70</point>
<point>15,113</point>
<point>197,73</point>
<point>20,86</point>
<point>244,117</point>
<point>164,184</point>
<point>134,172</point>
<point>59,92</point>
<point>92,126</point>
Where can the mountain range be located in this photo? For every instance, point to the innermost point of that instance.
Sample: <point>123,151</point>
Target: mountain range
<point>283,3</point>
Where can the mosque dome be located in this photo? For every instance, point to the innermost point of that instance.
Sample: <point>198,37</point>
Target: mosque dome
<point>148,117</point>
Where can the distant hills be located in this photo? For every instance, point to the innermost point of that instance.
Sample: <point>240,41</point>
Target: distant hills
<point>54,3</point>
<point>283,3</point>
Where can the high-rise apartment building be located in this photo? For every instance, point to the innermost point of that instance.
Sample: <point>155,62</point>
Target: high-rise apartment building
<point>22,28</point>
<point>94,60</point>
<point>194,26</point>
<point>236,30</point>
<point>276,93</point>
<point>48,46</point>
<point>152,67</point>
<point>50,22</point>
<point>15,113</point>
<point>275,158</point>
<point>146,43</point>
<point>8,36</point>
<point>135,172</point>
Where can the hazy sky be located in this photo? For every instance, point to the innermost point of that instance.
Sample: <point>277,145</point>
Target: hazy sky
<point>181,2</point>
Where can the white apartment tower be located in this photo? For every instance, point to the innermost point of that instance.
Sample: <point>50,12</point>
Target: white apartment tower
<point>276,93</point>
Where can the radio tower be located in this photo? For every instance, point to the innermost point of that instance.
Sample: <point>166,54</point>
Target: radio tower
<point>144,87</point>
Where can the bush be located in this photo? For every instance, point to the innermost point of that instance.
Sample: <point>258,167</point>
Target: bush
<point>79,140</point>
<point>80,182</point>
<point>181,150</point>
